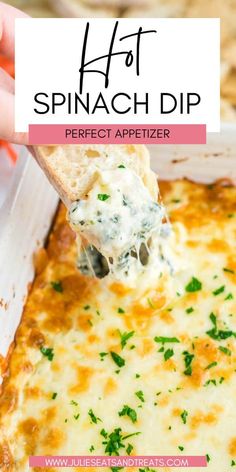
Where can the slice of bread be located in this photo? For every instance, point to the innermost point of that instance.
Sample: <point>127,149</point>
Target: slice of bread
<point>72,169</point>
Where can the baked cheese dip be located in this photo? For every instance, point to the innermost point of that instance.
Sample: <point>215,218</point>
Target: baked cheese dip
<point>99,367</point>
<point>126,229</point>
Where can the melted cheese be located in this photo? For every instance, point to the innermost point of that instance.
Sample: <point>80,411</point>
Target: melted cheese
<point>120,221</point>
<point>182,390</point>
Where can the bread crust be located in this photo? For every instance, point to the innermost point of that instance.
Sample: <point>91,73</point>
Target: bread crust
<point>72,170</point>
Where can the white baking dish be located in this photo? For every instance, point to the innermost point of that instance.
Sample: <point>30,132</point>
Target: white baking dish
<point>27,213</point>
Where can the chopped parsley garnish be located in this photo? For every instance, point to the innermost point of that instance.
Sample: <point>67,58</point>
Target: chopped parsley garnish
<point>194,285</point>
<point>226,269</point>
<point>129,449</point>
<point>132,434</point>
<point>163,340</point>
<point>86,307</point>
<point>127,411</point>
<point>189,310</point>
<point>208,458</point>
<point>120,310</point>
<point>168,354</point>
<point>147,469</point>
<point>181,448</point>
<point>102,355</point>
<point>47,352</point>
<point>218,334</point>
<point>188,358</point>
<point>92,448</point>
<point>140,395</point>
<point>103,433</point>
<point>229,297</point>
<point>117,359</point>
<point>76,417</point>
<point>233,463</point>
<point>74,403</point>
<point>184,415</point>
<point>209,366</point>
<point>137,376</point>
<point>54,395</point>
<point>103,197</point>
<point>210,381</point>
<point>114,441</point>
<point>93,417</point>
<point>219,290</point>
<point>121,166</point>
<point>225,350</point>
<point>57,286</point>
<point>124,337</point>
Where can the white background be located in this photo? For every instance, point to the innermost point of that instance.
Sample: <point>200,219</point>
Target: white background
<point>182,57</point>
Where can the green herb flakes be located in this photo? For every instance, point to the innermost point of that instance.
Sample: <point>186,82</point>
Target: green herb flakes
<point>188,358</point>
<point>209,366</point>
<point>74,403</point>
<point>163,340</point>
<point>210,381</point>
<point>127,411</point>
<point>47,352</point>
<point>189,310</point>
<point>194,285</point>
<point>102,355</point>
<point>117,359</point>
<point>218,334</point>
<point>225,350</point>
<point>115,441</point>
<point>168,354</point>
<point>94,418</point>
<point>140,395</point>
<point>57,286</point>
<point>129,449</point>
<point>226,269</point>
<point>183,416</point>
<point>103,433</point>
<point>219,290</point>
<point>103,197</point>
<point>124,337</point>
<point>121,311</point>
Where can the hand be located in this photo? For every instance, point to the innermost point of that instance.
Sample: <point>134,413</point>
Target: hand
<point>7,83</point>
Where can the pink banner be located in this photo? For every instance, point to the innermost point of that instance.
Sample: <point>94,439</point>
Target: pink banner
<point>117,134</point>
<point>118,461</point>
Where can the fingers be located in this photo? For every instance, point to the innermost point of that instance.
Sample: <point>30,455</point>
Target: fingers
<point>6,82</point>
<point>8,15</point>
<point>7,124</point>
